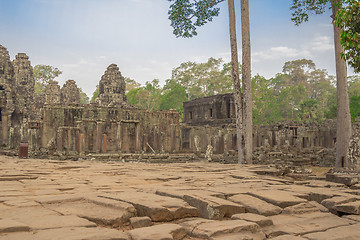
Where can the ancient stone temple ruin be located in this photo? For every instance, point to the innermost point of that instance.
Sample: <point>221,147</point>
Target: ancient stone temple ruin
<point>56,124</point>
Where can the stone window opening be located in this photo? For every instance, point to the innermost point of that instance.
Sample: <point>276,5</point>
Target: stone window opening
<point>190,115</point>
<point>0,115</point>
<point>211,112</point>
<point>228,109</point>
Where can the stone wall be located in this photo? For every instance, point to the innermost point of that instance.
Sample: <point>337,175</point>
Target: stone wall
<point>212,110</point>
<point>92,129</point>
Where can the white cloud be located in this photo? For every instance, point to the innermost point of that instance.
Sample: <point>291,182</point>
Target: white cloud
<point>280,52</point>
<point>322,43</point>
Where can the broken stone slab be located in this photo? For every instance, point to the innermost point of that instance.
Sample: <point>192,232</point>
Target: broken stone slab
<point>256,205</point>
<point>288,237</point>
<point>140,222</point>
<point>351,232</point>
<point>96,209</point>
<point>330,203</point>
<point>50,221</point>
<point>262,221</point>
<point>303,223</point>
<point>350,207</point>
<point>207,229</point>
<point>347,179</point>
<point>165,231</point>
<point>70,233</point>
<point>212,207</point>
<point>57,198</point>
<point>241,236</point>
<point>305,207</point>
<point>355,218</point>
<point>279,198</point>
<point>9,225</point>
<point>158,208</point>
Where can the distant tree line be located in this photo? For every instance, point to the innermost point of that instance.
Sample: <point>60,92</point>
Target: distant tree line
<point>300,93</point>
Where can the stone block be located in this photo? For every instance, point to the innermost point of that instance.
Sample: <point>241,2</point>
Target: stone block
<point>256,205</point>
<point>159,232</point>
<point>140,222</point>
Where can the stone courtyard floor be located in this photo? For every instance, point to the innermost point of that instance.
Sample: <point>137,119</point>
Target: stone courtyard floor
<point>73,200</point>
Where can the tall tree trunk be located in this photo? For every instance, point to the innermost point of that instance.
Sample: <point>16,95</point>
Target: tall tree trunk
<point>246,81</point>
<point>343,120</point>
<point>236,80</point>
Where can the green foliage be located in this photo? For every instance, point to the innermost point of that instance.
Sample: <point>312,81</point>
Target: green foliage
<point>147,97</point>
<point>266,108</point>
<point>348,18</point>
<point>131,84</point>
<point>186,15</point>
<point>355,107</point>
<point>95,94</point>
<point>173,97</point>
<point>301,9</point>
<point>204,79</point>
<point>42,75</point>
<point>84,99</point>
<point>301,93</point>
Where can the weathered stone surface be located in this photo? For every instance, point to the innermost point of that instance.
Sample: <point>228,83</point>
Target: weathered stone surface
<point>52,93</point>
<point>305,207</point>
<point>279,198</point>
<point>140,222</point>
<point>50,221</point>
<point>350,207</point>
<point>288,237</point>
<point>100,210</point>
<point>256,205</point>
<point>204,228</point>
<point>351,232</point>
<point>262,221</point>
<point>303,223</point>
<point>9,225</point>
<point>69,93</point>
<point>330,203</point>
<point>73,233</point>
<point>158,208</point>
<point>159,232</point>
<point>112,88</point>
<point>213,207</point>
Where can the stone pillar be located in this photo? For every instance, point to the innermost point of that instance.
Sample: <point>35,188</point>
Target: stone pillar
<point>98,136</point>
<point>5,128</point>
<point>104,143</point>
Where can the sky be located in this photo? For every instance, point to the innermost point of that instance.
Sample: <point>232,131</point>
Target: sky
<point>83,37</point>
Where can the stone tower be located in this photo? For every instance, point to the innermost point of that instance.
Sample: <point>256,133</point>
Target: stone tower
<point>24,84</point>
<point>112,88</point>
<point>52,93</point>
<point>70,94</point>
<point>6,81</point>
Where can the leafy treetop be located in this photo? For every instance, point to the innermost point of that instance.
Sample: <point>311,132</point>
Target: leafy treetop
<point>186,15</point>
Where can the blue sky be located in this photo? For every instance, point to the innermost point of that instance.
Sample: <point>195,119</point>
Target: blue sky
<point>83,37</point>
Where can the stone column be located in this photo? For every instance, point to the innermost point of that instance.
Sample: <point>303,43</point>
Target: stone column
<point>98,136</point>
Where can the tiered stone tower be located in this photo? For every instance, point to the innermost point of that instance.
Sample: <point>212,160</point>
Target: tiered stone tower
<point>69,94</point>
<point>112,88</point>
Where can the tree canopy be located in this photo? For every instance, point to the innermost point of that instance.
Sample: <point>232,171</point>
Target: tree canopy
<point>348,19</point>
